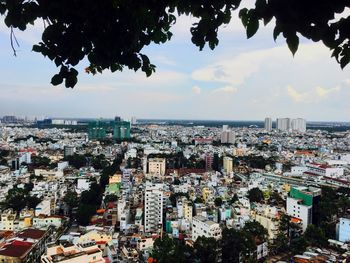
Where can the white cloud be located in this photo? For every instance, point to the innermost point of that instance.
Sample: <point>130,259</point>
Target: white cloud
<point>235,70</point>
<point>196,90</point>
<point>226,89</point>
<point>314,95</point>
<point>297,96</point>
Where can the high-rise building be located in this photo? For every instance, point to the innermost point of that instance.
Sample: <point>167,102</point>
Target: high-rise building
<point>121,130</point>
<point>287,124</point>
<point>117,118</point>
<point>299,125</point>
<point>228,136</point>
<point>97,130</point>
<point>209,160</point>
<point>69,151</point>
<point>153,207</point>
<point>133,120</point>
<point>228,164</point>
<point>302,203</point>
<point>268,124</point>
<point>284,124</point>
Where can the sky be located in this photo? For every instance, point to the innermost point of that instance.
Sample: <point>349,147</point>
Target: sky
<point>239,80</point>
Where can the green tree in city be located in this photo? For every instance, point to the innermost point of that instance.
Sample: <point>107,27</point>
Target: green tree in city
<point>315,236</point>
<point>110,198</point>
<point>218,201</point>
<point>84,213</point>
<point>233,199</point>
<point>166,250</point>
<point>256,230</point>
<point>76,160</point>
<point>255,195</point>
<point>236,244</point>
<point>206,250</point>
<point>72,200</point>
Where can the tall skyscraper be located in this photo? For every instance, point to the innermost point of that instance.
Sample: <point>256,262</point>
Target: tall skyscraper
<point>228,164</point>
<point>268,124</point>
<point>153,207</point>
<point>299,125</point>
<point>121,130</point>
<point>284,124</point>
<point>97,130</point>
<point>227,136</point>
<point>288,124</point>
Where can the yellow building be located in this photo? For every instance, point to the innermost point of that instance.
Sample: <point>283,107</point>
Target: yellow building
<point>206,193</point>
<point>26,218</point>
<point>228,164</point>
<point>8,218</point>
<point>156,166</point>
<point>115,179</point>
<point>187,206</point>
<point>268,218</point>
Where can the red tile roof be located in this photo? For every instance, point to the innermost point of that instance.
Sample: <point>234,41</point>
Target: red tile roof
<point>31,233</point>
<point>16,249</point>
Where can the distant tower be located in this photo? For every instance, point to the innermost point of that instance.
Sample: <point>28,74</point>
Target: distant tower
<point>268,124</point>
<point>284,124</point>
<point>117,118</point>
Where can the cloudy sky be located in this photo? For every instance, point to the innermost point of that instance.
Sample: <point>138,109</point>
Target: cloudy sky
<point>240,80</point>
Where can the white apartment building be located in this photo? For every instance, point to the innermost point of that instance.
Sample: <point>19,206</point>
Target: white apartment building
<point>203,227</point>
<point>325,170</point>
<point>43,208</point>
<point>296,208</point>
<point>299,125</point>
<point>283,124</point>
<point>288,124</point>
<point>268,124</point>
<point>156,166</point>
<point>153,207</point>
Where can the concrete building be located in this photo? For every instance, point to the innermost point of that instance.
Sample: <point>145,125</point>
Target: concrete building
<point>299,125</point>
<point>343,230</point>
<point>302,203</point>
<point>203,227</point>
<point>228,164</point>
<point>69,151</point>
<point>43,208</point>
<point>157,166</point>
<point>86,252</point>
<point>8,218</point>
<point>26,246</point>
<point>283,124</point>
<point>268,124</point>
<point>121,130</point>
<point>324,170</point>
<point>228,137</point>
<point>153,219</point>
<point>209,160</point>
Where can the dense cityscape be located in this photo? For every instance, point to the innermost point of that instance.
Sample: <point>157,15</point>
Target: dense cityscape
<point>132,191</point>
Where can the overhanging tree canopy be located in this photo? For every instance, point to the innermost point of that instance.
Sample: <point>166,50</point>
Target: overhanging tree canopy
<point>112,33</point>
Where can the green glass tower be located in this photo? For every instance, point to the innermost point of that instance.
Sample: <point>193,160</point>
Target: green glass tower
<point>97,130</point>
<point>121,130</point>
